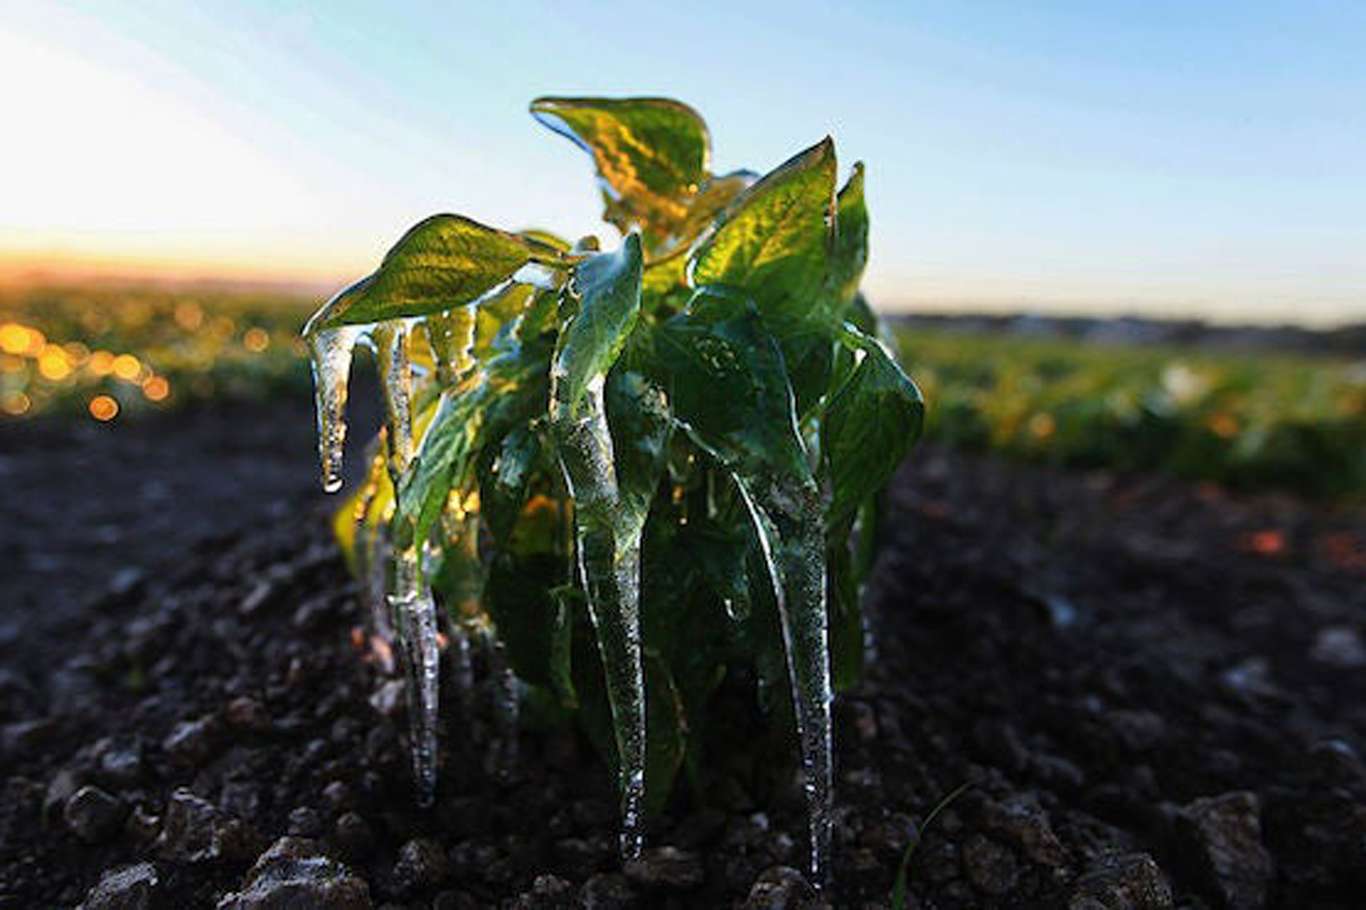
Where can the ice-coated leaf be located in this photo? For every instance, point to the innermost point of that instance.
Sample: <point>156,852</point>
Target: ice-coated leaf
<point>608,525</point>
<point>786,515</point>
<point>608,288</point>
<point>870,424</point>
<point>651,154</point>
<point>441,262</point>
<point>774,241</point>
<point>729,386</point>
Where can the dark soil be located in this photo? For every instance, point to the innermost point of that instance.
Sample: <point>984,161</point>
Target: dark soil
<point>1154,693</point>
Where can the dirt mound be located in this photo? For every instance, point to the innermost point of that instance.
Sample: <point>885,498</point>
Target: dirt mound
<point>1154,692</point>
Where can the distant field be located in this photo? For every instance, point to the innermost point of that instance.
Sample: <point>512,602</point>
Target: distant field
<point>1246,419</point>
<point>111,353</point>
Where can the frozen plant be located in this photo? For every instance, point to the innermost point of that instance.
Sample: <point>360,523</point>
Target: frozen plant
<point>628,473</point>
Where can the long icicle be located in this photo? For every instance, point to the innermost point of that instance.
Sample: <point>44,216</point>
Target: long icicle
<point>411,600</point>
<point>608,550</point>
<point>787,519</point>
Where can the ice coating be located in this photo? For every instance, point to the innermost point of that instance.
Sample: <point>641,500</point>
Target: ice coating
<point>396,377</point>
<point>787,520</point>
<point>415,612</point>
<point>330,358</point>
<point>608,551</point>
<point>410,601</point>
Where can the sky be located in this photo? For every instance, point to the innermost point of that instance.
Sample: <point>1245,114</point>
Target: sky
<point>1167,158</point>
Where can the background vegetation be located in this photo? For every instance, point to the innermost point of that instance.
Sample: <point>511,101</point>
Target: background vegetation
<point>1248,419</point>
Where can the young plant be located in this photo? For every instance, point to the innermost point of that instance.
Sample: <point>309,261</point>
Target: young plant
<point>625,474</point>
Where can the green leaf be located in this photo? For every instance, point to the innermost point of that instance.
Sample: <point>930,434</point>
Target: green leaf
<point>651,154</point>
<point>775,239</point>
<point>665,282</point>
<point>506,391</point>
<point>440,460</point>
<point>608,289</point>
<point>503,486</point>
<point>443,261</point>
<point>869,426</point>
<point>641,425</point>
<point>497,315</point>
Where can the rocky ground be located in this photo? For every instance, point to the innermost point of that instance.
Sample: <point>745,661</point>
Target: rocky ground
<point>1153,692</point>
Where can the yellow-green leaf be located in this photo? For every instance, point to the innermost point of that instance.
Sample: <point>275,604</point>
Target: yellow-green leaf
<point>443,261</point>
<point>651,154</point>
<point>774,240</point>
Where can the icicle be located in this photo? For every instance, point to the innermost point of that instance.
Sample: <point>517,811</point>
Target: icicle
<point>396,375</point>
<point>410,601</point>
<point>415,611</point>
<point>330,357</point>
<point>788,521</point>
<point>608,550</point>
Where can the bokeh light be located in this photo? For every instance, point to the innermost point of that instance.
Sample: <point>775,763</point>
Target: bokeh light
<point>16,404</point>
<point>104,408</point>
<point>156,388</point>
<point>52,363</point>
<point>256,339</point>
<point>127,367</point>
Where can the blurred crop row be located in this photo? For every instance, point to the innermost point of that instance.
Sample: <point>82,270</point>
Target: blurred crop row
<point>109,353</point>
<point>1245,419</point>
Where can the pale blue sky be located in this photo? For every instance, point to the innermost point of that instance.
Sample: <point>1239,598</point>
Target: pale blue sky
<point>1173,157</point>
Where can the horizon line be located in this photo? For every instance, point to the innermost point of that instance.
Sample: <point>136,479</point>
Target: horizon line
<point>19,271</point>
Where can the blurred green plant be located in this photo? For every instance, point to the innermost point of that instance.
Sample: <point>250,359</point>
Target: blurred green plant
<point>630,473</point>
<point>1246,420</point>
